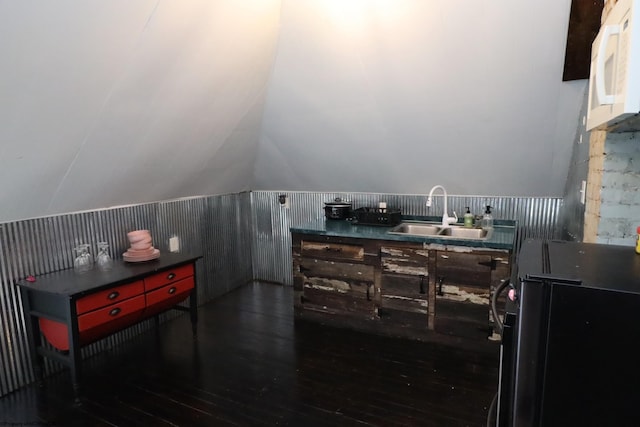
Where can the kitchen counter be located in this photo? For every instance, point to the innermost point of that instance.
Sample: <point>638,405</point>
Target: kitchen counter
<point>502,237</point>
<point>420,287</point>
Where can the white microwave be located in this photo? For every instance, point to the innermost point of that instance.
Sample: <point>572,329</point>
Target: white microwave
<point>614,80</point>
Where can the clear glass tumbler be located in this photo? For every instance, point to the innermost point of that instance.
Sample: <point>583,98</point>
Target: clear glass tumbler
<point>84,260</point>
<point>103,260</point>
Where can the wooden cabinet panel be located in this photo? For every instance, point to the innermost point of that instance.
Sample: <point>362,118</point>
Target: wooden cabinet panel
<point>338,270</point>
<point>464,268</point>
<point>462,319</point>
<point>334,277</point>
<point>463,283</point>
<point>331,250</point>
<point>410,288</point>
<point>409,293</point>
<point>404,260</point>
<point>331,300</point>
<point>404,286</point>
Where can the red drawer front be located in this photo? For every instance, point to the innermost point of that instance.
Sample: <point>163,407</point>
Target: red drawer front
<point>168,296</point>
<point>169,292</point>
<point>109,296</point>
<point>168,276</point>
<point>110,313</point>
<point>96,324</point>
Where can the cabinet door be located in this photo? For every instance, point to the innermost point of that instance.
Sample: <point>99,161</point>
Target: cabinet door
<point>335,278</point>
<point>336,287</point>
<point>404,286</point>
<point>462,284</point>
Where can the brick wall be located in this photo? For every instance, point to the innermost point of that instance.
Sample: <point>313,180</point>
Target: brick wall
<point>612,205</point>
<point>613,188</point>
<point>594,184</point>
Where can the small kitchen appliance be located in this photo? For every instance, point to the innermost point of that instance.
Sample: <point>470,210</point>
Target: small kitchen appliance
<point>614,79</point>
<point>338,209</point>
<point>376,216</point>
<point>569,351</point>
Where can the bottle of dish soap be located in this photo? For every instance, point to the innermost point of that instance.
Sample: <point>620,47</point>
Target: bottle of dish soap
<point>638,241</point>
<point>468,218</point>
<point>487,219</point>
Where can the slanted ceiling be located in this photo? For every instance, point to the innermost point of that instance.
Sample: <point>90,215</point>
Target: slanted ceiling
<point>115,102</point>
<point>105,103</point>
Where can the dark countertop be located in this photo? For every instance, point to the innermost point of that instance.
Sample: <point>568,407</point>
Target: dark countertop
<point>503,236</point>
<point>73,284</point>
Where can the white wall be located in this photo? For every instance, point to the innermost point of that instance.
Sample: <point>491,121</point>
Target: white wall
<point>400,95</point>
<point>105,103</point>
<point>113,102</point>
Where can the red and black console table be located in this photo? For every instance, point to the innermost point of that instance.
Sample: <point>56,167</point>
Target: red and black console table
<point>71,309</point>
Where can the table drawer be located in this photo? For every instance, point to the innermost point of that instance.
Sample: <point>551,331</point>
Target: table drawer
<point>110,313</point>
<point>167,296</point>
<point>168,276</point>
<point>96,324</point>
<point>109,296</point>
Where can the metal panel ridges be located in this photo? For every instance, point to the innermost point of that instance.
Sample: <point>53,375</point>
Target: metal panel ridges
<point>243,237</point>
<point>216,226</point>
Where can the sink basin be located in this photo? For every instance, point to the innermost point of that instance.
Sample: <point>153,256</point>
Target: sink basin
<point>465,233</point>
<point>417,228</point>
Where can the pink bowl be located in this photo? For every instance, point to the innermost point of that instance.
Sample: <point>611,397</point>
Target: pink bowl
<point>138,235</point>
<point>140,252</point>
<point>141,245</point>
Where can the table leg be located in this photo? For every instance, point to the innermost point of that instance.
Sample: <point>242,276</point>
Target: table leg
<point>193,311</point>
<point>33,337</point>
<point>75,354</point>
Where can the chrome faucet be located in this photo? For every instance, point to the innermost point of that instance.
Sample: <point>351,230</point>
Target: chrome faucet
<point>446,219</point>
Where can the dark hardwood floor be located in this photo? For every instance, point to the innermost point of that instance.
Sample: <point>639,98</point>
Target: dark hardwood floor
<point>252,364</point>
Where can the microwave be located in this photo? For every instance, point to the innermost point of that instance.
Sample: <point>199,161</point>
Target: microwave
<point>614,79</point>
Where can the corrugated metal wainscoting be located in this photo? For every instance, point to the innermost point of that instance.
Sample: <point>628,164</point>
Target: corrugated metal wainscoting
<point>218,227</point>
<point>243,237</point>
<point>537,217</point>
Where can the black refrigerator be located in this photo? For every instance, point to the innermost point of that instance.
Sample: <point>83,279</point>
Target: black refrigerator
<point>570,353</point>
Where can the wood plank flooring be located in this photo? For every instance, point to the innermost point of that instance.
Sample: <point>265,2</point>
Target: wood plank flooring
<point>253,364</point>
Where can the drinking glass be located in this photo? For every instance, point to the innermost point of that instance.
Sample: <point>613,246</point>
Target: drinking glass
<point>103,259</point>
<point>83,261</point>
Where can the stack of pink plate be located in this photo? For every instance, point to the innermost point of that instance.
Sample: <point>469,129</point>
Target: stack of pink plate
<point>141,247</point>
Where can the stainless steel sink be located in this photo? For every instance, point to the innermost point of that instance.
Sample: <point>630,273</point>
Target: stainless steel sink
<point>465,233</point>
<point>418,228</point>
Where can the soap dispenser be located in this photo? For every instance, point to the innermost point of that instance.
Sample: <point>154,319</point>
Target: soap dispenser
<point>487,219</point>
<point>468,218</point>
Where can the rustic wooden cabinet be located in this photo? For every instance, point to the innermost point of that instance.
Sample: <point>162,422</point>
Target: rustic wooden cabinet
<point>334,275</point>
<point>405,296</point>
<point>429,289</point>
<point>463,289</point>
